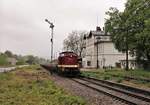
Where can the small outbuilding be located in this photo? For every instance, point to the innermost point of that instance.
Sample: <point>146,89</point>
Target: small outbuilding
<point>12,61</point>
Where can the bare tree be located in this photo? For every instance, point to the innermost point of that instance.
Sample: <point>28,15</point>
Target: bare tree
<point>74,42</point>
<point>81,43</point>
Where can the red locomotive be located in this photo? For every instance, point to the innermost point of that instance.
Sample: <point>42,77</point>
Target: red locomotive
<point>68,63</point>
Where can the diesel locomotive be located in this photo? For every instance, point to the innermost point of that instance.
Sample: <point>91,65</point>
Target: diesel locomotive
<point>68,63</point>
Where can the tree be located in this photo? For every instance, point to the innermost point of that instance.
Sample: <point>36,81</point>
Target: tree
<point>30,59</point>
<point>8,53</point>
<point>118,27</point>
<point>140,22</point>
<point>71,42</point>
<point>3,59</point>
<point>74,42</point>
<point>131,27</point>
<point>21,61</point>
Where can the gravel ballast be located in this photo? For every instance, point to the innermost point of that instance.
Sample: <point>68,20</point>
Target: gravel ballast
<point>91,96</point>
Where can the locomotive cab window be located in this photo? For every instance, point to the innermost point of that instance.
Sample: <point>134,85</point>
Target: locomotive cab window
<point>61,55</point>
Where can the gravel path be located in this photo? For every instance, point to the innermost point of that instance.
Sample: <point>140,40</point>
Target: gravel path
<point>92,97</point>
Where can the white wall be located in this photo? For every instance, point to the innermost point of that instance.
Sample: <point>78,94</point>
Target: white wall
<point>107,54</point>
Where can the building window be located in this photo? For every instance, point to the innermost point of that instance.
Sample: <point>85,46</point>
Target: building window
<point>88,63</point>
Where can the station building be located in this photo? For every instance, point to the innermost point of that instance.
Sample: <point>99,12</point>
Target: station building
<point>100,51</point>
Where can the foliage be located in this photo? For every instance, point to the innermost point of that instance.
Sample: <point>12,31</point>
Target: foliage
<point>116,27</point>
<point>3,59</point>
<point>5,76</point>
<point>74,42</point>
<point>140,10</point>
<point>138,73</point>
<point>8,53</point>
<point>132,27</point>
<point>21,60</point>
<point>21,88</point>
<point>30,59</point>
<point>119,75</point>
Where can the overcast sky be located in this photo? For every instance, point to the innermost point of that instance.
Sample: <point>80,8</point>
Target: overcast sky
<point>24,31</point>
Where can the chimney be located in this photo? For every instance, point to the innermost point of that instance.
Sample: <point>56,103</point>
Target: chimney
<point>98,28</point>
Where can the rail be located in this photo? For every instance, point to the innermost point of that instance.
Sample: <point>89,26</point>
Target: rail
<point>128,94</point>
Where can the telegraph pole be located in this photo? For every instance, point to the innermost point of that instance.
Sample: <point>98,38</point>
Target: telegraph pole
<point>127,48</point>
<point>52,27</point>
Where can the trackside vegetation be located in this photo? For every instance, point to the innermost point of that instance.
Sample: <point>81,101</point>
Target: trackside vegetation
<point>22,87</point>
<point>3,60</point>
<point>8,58</point>
<point>121,76</point>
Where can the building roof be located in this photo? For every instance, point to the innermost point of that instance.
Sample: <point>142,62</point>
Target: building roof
<point>97,32</point>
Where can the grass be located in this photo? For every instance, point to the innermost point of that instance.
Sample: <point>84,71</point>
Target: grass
<point>119,76</point>
<point>132,73</point>
<point>3,60</point>
<point>21,87</point>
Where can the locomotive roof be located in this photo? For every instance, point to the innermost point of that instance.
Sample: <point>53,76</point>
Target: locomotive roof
<point>68,52</point>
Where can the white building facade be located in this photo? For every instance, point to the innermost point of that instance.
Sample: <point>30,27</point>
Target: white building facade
<point>100,51</point>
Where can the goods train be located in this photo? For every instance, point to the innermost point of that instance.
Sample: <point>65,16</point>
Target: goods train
<point>66,64</point>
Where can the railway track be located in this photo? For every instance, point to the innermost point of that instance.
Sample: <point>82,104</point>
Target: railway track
<point>127,94</point>
<point>124,93</point>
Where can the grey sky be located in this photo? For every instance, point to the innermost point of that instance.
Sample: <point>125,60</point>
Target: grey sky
<point>24,31</point>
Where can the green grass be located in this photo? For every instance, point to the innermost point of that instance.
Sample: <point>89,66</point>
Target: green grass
<point>120,75</point>
<point>3,60</point>
<point>22,88</point>
<point>132,73</point>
